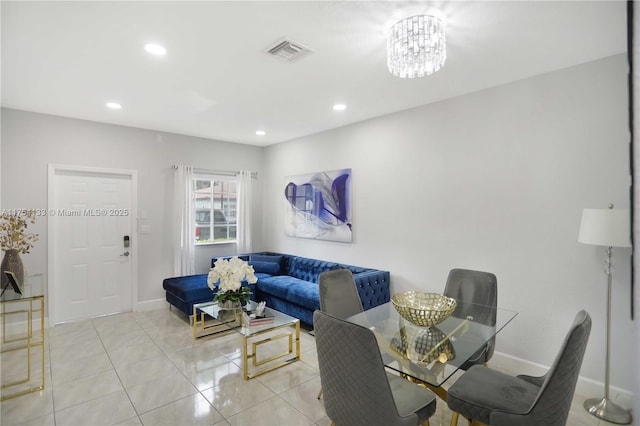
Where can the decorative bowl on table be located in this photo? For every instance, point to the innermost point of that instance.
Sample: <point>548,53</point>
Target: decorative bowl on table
<point>423,309</point>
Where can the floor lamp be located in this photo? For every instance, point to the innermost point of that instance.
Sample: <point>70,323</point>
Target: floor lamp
<point>609,228</point>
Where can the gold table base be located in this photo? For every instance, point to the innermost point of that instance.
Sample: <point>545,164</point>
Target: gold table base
<point>203,328</point>
<point>23,342</point>
<point>254,353</point>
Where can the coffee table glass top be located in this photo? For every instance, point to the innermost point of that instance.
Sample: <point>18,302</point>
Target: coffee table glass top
<point>224,316</point>
<point>432,354</point>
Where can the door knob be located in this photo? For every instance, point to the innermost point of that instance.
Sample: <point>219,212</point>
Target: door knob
<point>126,253</point>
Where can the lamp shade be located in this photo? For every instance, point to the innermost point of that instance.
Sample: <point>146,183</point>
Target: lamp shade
<point>605,227</point>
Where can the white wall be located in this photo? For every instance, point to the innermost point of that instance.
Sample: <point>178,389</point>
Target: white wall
<point>496,181</point>
<point>30,141</point>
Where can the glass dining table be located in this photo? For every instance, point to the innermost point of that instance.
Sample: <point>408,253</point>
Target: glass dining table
<point>431,355</point>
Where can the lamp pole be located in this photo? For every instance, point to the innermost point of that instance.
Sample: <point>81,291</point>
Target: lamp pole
<point>604,408</point>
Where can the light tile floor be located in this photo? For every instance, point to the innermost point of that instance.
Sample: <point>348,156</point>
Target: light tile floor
<point>144,368</point>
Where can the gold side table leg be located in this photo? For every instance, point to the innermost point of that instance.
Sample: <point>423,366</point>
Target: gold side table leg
<point>298,341</point>
<point>29,345</point>
<point>245,359</point>
<point>42,336</point>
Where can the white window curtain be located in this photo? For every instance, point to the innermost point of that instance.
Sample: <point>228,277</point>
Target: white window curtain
<point>245,211</point>
<point>184,235</point>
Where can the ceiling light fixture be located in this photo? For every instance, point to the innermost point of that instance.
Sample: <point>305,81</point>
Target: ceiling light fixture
<point>260,132</point>
<point>114,105</point>
<point>416,46</point>
<point>339,107</point>
<point>155,49</point>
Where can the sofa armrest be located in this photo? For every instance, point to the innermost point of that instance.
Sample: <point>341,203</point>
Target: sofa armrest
<point>373,287</point>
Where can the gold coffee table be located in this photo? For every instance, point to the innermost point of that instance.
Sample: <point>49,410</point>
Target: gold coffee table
<point>209,320</point>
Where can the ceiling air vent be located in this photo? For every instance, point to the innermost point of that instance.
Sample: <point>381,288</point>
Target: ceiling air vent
<point>289,51</point>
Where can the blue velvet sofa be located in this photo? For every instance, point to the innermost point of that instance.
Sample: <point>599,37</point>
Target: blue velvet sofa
<point>286,283</point>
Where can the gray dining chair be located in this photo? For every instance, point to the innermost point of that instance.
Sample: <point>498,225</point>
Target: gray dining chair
<point>357,389</point>
<point>338,295</point>
<point>498,399</point>
<point>480,289</point>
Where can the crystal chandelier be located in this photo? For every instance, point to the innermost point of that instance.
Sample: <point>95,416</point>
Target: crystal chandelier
<point>416,46</point>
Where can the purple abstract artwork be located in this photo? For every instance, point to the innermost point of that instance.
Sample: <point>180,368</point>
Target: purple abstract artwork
<point>318,206</point>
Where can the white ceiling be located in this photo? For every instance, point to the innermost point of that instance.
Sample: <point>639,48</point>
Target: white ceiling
<point>70,58</point>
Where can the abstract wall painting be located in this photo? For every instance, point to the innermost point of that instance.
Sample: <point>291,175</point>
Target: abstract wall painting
<point>318,206</point>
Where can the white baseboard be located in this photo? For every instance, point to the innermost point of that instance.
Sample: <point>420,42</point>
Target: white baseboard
<point>150,305</point>
<point>585,386</point>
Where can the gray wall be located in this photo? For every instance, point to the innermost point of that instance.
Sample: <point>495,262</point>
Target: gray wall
<point>31,141</point>
<point>496,181</point>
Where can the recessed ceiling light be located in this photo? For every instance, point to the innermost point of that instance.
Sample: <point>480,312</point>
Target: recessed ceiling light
<point>114,105</point>
<point>155,49</point>
<point>260,132</point>
<point>339,107</point>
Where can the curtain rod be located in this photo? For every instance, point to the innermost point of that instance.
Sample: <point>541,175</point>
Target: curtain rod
<point>254,175</point>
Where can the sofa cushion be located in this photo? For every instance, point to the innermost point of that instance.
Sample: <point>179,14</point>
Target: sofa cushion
<point>294,290</point>
<point>259,276</point>
<point>266,258</point>
<point>309,269</point>
<point>189,288</point>
<point>272,268</point>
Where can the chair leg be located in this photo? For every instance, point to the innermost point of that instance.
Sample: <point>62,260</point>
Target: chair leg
<point>425,423</point>
<point>320,394</point>
<point>454,418</point>
<point>471,422</point>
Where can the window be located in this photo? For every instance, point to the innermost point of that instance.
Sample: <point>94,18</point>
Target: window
<point>215,207</point>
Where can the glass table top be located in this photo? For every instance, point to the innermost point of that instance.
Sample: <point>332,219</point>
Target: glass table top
<point>432,354</point>
<point>224,316</point>
<point>32,288</point>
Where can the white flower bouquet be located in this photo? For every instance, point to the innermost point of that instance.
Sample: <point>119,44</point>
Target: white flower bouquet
<point>229,274</point>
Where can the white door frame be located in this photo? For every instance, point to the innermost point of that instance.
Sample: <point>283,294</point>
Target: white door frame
<point>133,175</point>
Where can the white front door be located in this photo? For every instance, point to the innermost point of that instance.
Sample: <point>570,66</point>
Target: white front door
<point>91,218</point>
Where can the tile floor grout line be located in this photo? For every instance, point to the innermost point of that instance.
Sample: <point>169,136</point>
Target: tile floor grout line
<point>115,370</point>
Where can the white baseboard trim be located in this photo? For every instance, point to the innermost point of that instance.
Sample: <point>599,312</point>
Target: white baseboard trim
<point>150,305</point>
<point>586,387</point>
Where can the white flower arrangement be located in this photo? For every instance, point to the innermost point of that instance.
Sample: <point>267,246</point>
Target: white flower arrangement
<point>229,273</point>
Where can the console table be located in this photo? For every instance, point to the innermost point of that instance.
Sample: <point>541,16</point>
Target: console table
<point>22,317</point>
